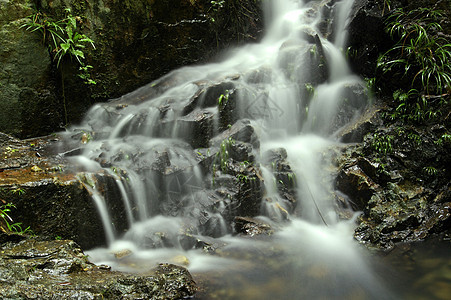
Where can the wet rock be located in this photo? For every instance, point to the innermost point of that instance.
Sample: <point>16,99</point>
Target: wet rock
<point>353,181</point>
<point>304,63</point>
<point>392,222</point>
<point>211,95</point>
<point>197,127</point>
<point>355,131</point>
<point>242,130</point>
<point>400,200</point>
<point>274,157</point>
<point>235,178</point>
<point>275,161</point>
<point>122,253</point>
<point>250,191</point>
<point>61,206</point>
<point>252,227</point>
<point>49,198</point>
<point>354,99</point>
<point>367,36</point>
<point>28,98</point>
<point>242,152</point>
<point>261,75</point>
<point>34,268</point>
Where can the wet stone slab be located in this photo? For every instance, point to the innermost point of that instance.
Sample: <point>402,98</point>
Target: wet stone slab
<point>31,268</point>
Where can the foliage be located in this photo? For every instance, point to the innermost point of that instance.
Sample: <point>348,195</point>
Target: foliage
<point>5,209</point>
<point>445,138</point>
<point>415,138</point>
<point>383,144</point>
<point>223,98</point>
<point>216,5</point>
<point>387,6</point>
<point>310,89</point>
<point>224,152</point>
<point>423,57</point>
<point>64,39</point>
<point>431,171</point>
<point>418,46</point>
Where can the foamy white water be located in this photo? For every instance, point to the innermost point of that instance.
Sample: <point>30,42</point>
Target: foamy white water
<point>311,244</point>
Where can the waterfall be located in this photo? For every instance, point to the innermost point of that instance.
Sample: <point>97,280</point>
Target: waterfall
<point>296,92</point>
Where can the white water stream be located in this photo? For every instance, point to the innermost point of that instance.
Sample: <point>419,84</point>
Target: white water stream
<point>313,255</point>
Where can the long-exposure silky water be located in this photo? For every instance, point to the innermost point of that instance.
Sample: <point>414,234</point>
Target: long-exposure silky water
<point>295,90</point>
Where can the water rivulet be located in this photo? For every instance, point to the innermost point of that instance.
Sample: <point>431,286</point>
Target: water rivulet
<point>225,167</point>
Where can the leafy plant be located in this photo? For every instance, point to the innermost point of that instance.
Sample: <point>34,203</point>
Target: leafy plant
<point>445,138</point>
<point>64,39</point>
<point>18,191</point>
<point>423,57</point>
<point>383,144</point>
<point>216,5</point>
<point>351,52</point>
<point>310,89</point>
<point>431,171</point>
<point>224,152</point>
<point>414,107</point>
<point>243,178</point>
<point>414,137</point>
<point>223,98</point>
<point>419,47</point>
<point>387,5</point>
<point>5,209</point>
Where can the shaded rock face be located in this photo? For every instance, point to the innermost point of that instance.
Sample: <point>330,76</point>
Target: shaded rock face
<point>29,105</point>
<point>136,42</point>
<point>367,36</point>
<point>32,268</point>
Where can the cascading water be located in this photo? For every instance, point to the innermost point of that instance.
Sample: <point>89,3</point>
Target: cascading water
<point>295,91</point>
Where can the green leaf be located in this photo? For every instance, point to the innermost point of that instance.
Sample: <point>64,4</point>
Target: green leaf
<point>65,47</point>
<point>78,53</point>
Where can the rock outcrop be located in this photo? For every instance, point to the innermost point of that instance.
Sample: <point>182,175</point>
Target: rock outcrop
<point>135,43</point>
<point>37,269</point>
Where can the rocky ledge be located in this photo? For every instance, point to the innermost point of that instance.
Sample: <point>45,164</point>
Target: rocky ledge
<point>31,268</point>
